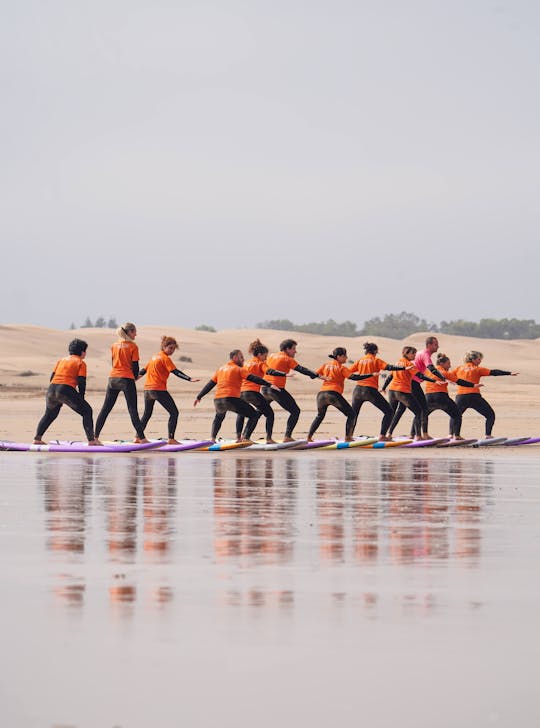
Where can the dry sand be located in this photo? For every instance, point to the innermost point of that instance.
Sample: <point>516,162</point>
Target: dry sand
<point>25,349</point>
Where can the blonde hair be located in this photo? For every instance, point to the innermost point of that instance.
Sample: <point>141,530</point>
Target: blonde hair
<point>167,340</point>
<point>123,331</point>
<point>472,355</point>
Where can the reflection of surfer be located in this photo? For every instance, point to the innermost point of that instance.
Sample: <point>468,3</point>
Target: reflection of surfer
<point>68,386</point>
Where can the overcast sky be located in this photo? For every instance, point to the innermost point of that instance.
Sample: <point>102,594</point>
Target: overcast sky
<point>233,161</point>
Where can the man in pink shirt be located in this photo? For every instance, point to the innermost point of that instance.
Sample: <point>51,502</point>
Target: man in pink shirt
<point>422,361</point>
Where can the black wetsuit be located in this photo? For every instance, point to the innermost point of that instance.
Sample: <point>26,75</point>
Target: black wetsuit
<point>126,385</point>
<point>286,400</point>
<point>363,394</point>
<point>476,402</point>
<point>443,401</point>
<point>151,396</point>
<point>60,394</point>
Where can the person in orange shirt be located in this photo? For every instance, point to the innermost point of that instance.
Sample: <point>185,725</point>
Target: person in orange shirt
<point>229,379</point>
<point>368,391</point>
<point>470,398</point>
<point>251,392</point>
<point>335,373</point>
<point>124,372</point>
<point>155,389</point>
<point>69,375</point>
<point>400,390</point>
<point>284,361</point>
<point>437,396</point>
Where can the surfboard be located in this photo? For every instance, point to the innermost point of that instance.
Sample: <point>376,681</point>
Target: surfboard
<point>515,441</point>
<point>278,445</point>
<point>457,443</point>
<point>79,447</point>
<point>343,445</point>
<point>184,445</point>
<point>391,443</point>
<point>489,442</point>
<point>427,443</point>
<point>315,444</point>
<point>225,445</point>
<point>529,441</point>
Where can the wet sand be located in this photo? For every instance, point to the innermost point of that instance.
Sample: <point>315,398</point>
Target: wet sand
<point>387,589</point>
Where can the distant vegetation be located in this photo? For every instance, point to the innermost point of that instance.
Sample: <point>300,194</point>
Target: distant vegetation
<point>205,327</point>
<point>401,325</point>
<point>99,323</point>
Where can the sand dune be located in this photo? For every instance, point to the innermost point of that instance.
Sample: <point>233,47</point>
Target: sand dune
<point>25,349</point>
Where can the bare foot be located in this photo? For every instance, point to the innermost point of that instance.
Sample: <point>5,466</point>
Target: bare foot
<point>455,438</point>
<point>94,442</point>
<point>269,441</point>
<point>488,437</point>
<point>384,438</point>
<point>288,439</point>
<point>239,439</point>
<point>39,442</point>
<point>349,439</point>
<point>140,440</point>
<point>247,440</point>
<point>309,439</point>
<point>172,441</point>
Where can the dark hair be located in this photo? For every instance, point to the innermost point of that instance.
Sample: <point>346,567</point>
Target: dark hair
<point>287,344</point>
<point>338,351</point>
<point>442,358</point>
<point>77,346</point>
<point>257,347</point>
<point>409,350</point>
<point>431,340</point>
<point>167,340</point>
<point>234,352</point>
<point>370,347</point>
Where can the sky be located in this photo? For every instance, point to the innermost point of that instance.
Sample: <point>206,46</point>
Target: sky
<point>226,163</point>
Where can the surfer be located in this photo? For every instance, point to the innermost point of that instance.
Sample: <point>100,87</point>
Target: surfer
<point>368,391</point>
<point>437,396</point>
<point>157,372</point>
<point>470,398</point>
<point>284,362</point>
<point>400,391</point>
<point>68,386</point>
<point>335,373</point>
<point>124,372</point>
<point>229,379</point>
<point>250,391</point>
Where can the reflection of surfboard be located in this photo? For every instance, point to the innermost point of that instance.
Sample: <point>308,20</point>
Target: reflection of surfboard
<point>427,443</point>
<point>78,447</point>
<point>489,442</point>
<point>457,443</point>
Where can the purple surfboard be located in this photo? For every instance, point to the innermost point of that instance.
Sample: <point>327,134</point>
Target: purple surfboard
<point>428,443</point>
<point>184,445</point>
<point>77,447</point>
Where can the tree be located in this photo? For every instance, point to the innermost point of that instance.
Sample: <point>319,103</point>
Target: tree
<point>111,323</point>
<point>87,324</point>
<point>397,326</point>
<point>205,327</point>
<point>100,322</point>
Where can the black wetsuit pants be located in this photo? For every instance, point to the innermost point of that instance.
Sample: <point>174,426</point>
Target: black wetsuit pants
<point>370,394</point>
<point>114,387</point>
<point>58,395</point>
<point>151,396</point>
<point>408,401</point>
<point>421,425</point>
<point>324,400</point>
<point>288,402</point>
<point>261,405</point>
<point>234,404</point>
<point>442,401</point>
<point>476,402</point>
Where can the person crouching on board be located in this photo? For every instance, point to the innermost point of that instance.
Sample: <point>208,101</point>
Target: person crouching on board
<point>68,386</point>
<point>155,388</point>
<point>229,379</point>
<point>470,398</point>
<point>437,396</point>
<point>335,373</point>
<point>284,361</point>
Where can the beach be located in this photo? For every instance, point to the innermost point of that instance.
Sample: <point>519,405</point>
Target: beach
<point>29,353</point>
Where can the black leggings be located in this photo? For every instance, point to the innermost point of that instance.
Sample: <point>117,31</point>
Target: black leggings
<point>477,402</point>
<point>408,401</point>
<point>165,400</point>
<point>288,402</point>
<point>370,394</point>
<point>57,395</point>
<point>114,387</point>
<point>234,404</point>
<point>442,401</point>
<point>261,405</point>
<point>324,400</point>
<point>421,424</point>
